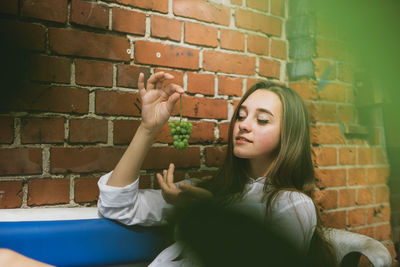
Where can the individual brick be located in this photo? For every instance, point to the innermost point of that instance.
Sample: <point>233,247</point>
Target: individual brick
<point>258,22</point>
<point>88,131</point>
<point>166,55</point>
<point>89,72</point>
<point>42,130</point>
<point>128,21</point>
<point>166,28</point>
<point>229,63</point>
<point>48,191</point>
<point>201,83</point>
<point>87,44</point>
<point>52,10</point>
<point>90,14</point>
<point>210,12</point>
<point>21,161</point>
<point>199,34</point>
<point>86,190</point>
<point>10,194</point>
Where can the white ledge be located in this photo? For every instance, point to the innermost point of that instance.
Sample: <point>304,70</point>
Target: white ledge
<point>48,214</point>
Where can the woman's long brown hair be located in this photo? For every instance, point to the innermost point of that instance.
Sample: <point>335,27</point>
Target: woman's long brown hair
<point>291,169</point>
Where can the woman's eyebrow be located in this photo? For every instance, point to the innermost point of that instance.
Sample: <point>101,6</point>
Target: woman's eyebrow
<point>265,110</point>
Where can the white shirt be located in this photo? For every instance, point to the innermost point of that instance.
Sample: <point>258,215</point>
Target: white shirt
<point>293,213</point>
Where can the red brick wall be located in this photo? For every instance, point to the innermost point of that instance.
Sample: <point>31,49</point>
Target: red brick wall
<point>73,121</point>
<point>352,168</point>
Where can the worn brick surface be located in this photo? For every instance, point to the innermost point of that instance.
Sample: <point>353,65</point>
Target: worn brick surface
<point>161,157</point>
<point>9,7</point>
<point>201,83</point>
<point>69,42</point>
<point>156,5</point>
<point>326,134</point>
<point>48,191</point>
<point>53,10</point>
<point>88,159</point>
<point>26,35</point>
<point>50,69</point>
<point>88,131</point>
<point>324,156</point>
<point>270,68</point>
<point>195,107</point>
<point>128,75</point>
<point>167,28</point>
<point>52,98</point>
<point>223,129</point>
<point>124,130</point>
<point>230,86</point>
<point>166,55</point>
<point>334,219</point>
<point>210,12</point>
<point>321,112</point>
<point>10,194</point>
<point>278,48</point>
<point>257,22</point>
<point>86,189</point>
<point>6,129</point>
<point>128,21</point>
<point>20,161</point>
<point>90,72</point>
<point>257,4</point>
<point>215,155</point>
<point>199,34</point>
<point>42,130</point>
<point>347,197</point>
<point>228,63</point>
<point>326,199</point>
<point>89,14</point>
<point>330,177</point>
<point>232,40</point>
<point>257,44</point>
<point>117,103</point>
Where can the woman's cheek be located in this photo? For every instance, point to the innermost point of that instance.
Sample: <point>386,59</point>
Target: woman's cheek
<point>268,140</point>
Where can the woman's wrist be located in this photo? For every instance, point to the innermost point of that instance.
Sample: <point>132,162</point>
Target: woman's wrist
<point>150,132</point>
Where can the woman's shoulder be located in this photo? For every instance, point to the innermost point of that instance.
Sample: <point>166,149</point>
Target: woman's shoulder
<point>287,199</point>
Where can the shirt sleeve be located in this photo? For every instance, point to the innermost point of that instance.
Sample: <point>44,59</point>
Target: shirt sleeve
<point>129,205</point>
<point>294,217</point>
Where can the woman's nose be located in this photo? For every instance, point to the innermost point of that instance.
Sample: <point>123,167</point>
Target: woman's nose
<point>244,125</point>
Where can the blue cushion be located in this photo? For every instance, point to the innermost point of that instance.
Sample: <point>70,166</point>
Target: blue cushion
<point>80,242</point>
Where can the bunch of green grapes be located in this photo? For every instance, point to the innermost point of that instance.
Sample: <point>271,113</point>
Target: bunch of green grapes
<point>180,132</point>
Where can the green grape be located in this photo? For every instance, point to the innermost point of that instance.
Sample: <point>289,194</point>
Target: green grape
<point>180,132</point>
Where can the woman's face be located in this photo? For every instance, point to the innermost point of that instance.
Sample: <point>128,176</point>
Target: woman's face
<point>256,132</point>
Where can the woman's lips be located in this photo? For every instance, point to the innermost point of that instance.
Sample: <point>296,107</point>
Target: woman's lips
<point>242,140</point>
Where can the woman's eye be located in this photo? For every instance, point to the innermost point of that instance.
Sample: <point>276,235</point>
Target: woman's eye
<point>240,117</point>
<point>262,121</point>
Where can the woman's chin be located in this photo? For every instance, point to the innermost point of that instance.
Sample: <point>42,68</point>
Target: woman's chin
<point>240,154</point>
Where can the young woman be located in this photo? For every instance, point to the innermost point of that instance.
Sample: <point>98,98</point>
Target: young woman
<point>267,172</point>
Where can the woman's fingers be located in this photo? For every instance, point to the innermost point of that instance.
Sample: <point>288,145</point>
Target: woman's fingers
<point>156,80</point>
<point>142,90</point>
<point>170,176</point>
<point>160,82</point>
<point>194,191</point>
<point>161,182</point>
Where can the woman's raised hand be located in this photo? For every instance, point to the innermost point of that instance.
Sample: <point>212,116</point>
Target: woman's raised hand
<point>182,194</point>
<point>158,100</point>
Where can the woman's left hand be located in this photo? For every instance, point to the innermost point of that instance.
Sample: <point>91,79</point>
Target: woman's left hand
<point>182,194</point>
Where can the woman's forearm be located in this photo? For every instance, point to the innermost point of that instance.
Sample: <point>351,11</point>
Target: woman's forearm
<point>128,167</point>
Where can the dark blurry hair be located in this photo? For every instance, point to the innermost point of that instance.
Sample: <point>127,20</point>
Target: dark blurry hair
<point>220,236</point>
<point>290,170</point>
<point>14,69</point>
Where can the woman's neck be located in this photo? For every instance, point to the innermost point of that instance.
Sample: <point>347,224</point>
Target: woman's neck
<point>258,167</point>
